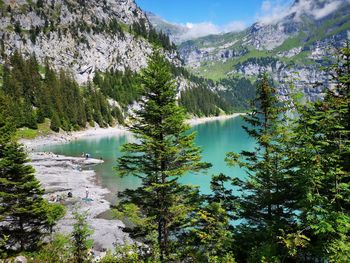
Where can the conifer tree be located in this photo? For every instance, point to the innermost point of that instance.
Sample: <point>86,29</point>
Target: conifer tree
<point>210,237</point>
<point>320,166</point>
<point>23,217</point>
<point>80,237</point>
<point>267,194</point>
<point>55,123</point>
<point>162,153</point>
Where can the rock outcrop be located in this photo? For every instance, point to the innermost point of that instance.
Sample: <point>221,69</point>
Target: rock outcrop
<point>81,36</point>
<point>294,47</point>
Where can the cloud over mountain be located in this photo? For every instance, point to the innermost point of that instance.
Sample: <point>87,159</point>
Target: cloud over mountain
<point>195,30</point>
<point>272,11</point>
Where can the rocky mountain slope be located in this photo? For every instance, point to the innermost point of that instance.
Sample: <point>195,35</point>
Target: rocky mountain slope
<point>291,48</point>
<point>85,37</point>
<point>80,35</point>
<point>175,31</point>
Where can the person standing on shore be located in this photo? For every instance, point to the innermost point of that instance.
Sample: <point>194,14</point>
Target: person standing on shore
<point>87,192</point>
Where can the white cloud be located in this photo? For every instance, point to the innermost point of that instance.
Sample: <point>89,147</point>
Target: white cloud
<point>234,26</point>
<point>326,10</point>
<point>272,11</point>
<point>199,30</point>
<point>196,30</point>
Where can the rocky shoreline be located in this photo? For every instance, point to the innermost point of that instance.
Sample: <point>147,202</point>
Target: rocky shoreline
<point>58,176</point>
<point>197,121</point>
<point>62,174</point>
<point>65,137</point>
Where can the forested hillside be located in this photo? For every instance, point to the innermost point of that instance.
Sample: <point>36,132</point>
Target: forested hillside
<point>293,45</point>
<point>291,207</point>
<point>34,92</point>
<point>283,196</point>
<point>89,55</point>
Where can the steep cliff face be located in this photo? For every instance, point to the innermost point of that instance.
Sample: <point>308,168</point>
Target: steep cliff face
<point>292,48</point>
<point>82,36</point>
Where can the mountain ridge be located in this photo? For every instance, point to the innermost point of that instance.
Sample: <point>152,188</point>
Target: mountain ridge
<point>101,45</point>
<point>292,49</point>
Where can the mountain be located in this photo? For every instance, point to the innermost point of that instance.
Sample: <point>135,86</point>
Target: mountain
<point>175,31</point>
<point>291,46</point>
<point>103,45</point>
<point>83,36</point>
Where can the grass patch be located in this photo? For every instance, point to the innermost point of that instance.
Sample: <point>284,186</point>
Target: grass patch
<point>42,70</point>
<point>338,25</point>
<point>1,75</point>
<point>290,43</point>
<point>26,133</point>
<point>303,58</point>
<point>218,70</point>
<point>124,27</point>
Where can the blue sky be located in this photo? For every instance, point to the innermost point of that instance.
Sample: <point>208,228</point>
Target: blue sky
<point>205,17</point>
<point>218,12</point>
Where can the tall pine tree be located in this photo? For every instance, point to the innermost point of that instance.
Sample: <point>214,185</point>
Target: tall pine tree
<point>163,152</point>
<point>23,217</point>
<point>319,164</point>
<point>265,203</point>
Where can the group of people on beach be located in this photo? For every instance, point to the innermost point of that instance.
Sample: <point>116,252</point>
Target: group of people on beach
<point>56,198</point>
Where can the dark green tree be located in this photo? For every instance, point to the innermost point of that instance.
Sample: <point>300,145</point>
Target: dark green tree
<point>210,237</point>
<point>55,123</point>
<point>54,213</point>
<point>162,153</point>
<point>319,162</point>
<point>265,203</point>
<point>81,243</point>
<point>23,217</point>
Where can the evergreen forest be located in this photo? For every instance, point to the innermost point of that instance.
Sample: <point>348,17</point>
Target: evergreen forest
<point>292,207</point>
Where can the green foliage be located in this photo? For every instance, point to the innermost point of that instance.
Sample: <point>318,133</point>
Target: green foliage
<point>293,241</point>
<point>218,70</point>
<point>130,254</point>
<point>210,235</point>
<point>291,42</point>
<point>159,39</point>
<point>239,92</point>
<point>26,133</point>
<point>54,213</point>
<point>57,250</point>
<point>320,166</point>
<point>162,153</point>
<point>116,28</point>
<point>201,101</point>
<point>55,123</point>
<point>58,97</point>
<point>122,86</point>
<point>23,214</point>
<point>3,241</point>
<point>210,238</point>
<point>267,194</point>
<point>80,242</point>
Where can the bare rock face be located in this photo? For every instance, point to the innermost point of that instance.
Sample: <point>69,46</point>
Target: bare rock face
<point>81,36</point>
<point>293,48</point>
<point>20,259</point>
<point>61,175</point>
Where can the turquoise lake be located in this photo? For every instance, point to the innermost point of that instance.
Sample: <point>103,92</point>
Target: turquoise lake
<point>216,139</point>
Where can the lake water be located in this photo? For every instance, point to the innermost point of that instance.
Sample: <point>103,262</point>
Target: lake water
<point>216,139</point>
